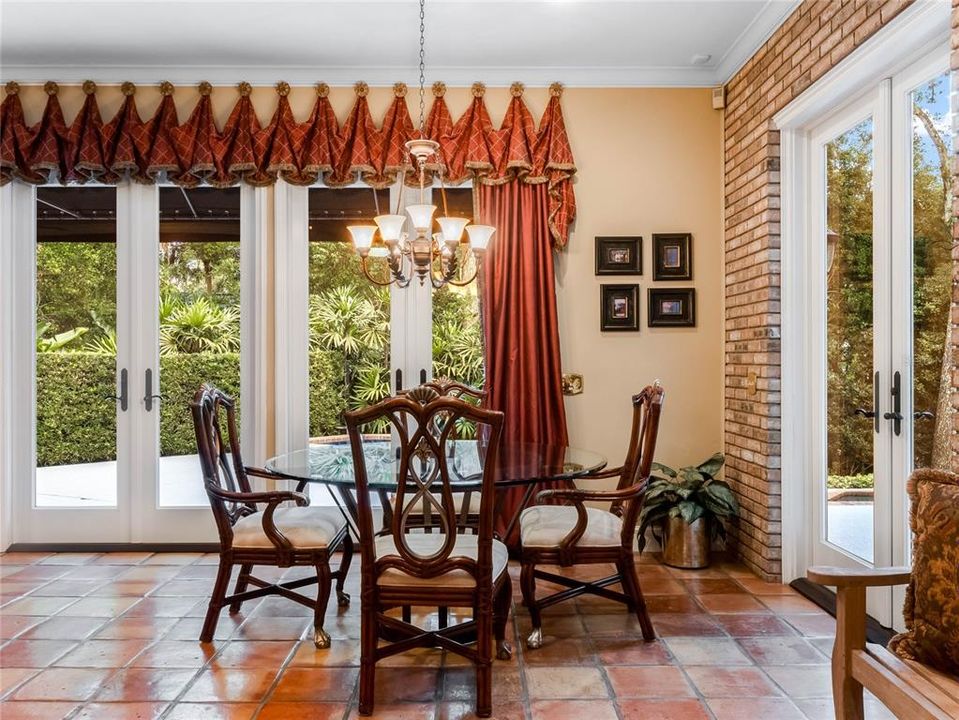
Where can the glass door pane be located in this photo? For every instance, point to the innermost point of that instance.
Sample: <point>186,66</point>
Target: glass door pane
<point>76,348</point>
<point>199,321</point>
<point>931,270</point>
<point>349,314</point>
<point>457,326</point>
<point>849,485</point>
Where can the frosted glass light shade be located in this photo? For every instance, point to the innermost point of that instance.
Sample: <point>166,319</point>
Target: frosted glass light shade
<point>421,215</point>
<point>452,228</point>
<point>362,236</point>
<point>391,226</point>
<point>480,235</point>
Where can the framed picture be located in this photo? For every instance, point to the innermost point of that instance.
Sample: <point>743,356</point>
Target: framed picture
<point>672,256</point>
<point>619,255</point>
<point>619,307</point>
<point>672,308</point>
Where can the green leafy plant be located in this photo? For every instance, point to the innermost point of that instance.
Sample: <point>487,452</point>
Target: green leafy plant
<point>851,482</point>
<point>690,493</point>
<point>200,326</point>
<point>59,341</point>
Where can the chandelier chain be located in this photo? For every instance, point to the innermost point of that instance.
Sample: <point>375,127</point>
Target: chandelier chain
<point>422,66</point>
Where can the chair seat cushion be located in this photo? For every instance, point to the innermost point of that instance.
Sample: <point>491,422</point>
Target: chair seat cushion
<point>545,526</point>
<point>931,608</point>
<point>305,527</point>
<point>426,544</point>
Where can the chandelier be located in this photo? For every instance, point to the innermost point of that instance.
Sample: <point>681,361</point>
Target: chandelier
<point>427,255</point>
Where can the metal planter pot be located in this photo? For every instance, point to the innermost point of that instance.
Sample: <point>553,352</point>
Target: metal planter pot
<point>686,546</point>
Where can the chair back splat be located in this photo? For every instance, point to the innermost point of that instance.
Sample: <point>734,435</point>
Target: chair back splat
<point>637,466</point>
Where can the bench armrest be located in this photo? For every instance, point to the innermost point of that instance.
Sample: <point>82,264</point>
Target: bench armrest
<point>858,577</point>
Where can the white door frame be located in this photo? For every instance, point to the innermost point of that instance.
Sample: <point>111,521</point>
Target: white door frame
<point>918,30</point>
<point>873,105</point>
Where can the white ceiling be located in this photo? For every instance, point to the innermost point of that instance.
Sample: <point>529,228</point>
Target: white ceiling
<point>579,42</point>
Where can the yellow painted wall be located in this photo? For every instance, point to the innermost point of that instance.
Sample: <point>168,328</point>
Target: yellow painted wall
<point>649,160</point>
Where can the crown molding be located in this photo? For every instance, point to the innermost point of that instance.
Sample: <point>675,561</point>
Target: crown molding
<point>763,25</point>
<point>375,76</point>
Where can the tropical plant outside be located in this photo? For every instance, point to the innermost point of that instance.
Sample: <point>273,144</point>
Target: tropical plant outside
<point>200,341</point>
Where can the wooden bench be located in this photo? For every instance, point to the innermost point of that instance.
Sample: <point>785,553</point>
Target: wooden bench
<point>911,690</point>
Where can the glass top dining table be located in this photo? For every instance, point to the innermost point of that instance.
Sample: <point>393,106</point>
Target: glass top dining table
<point>521,467</point>
<point>331,463</point>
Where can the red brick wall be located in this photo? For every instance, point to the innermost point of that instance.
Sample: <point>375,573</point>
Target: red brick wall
<point>817,36</point>
<point>955,234</point>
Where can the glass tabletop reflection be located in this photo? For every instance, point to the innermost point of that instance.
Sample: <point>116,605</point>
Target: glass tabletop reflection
<point>331,463</point>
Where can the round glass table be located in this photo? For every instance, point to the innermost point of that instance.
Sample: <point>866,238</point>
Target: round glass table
<point>520,468</point>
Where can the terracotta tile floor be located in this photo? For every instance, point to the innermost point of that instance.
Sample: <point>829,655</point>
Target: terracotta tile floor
<point>114,636</point>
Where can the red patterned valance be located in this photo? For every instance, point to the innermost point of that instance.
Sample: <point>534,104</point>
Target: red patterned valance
<point>302,153</point>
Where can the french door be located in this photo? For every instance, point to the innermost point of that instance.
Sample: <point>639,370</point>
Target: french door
<point>880,220</point>
<point>134,298</point>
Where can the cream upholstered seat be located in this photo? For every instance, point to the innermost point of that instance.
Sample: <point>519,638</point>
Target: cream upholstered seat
<point>545,526</point>
<point>426,544</point>
<point>304,527</point>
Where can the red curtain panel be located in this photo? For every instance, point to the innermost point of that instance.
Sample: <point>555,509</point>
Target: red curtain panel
<point>521,330</point>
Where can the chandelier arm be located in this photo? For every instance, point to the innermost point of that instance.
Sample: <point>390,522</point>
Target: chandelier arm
<point>369,276</point>
<point>464,283</point>
<point>446,210</point>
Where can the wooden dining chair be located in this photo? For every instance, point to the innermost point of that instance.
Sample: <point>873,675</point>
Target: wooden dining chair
<point>408,566</point>
<point>467,501</point>
<point>277,536</point>
<point>570,533</point>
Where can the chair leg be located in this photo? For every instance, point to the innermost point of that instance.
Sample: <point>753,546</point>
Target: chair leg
<point>443,617</point>
<point>324,584</point>
<point>343,598</point>
<point>501,604</point>
<point>527,583</point>
<point>483,612</point>
<point>368,636</point>
<point>630,579</point>
<point>407,614</point>
<point>242,581</point>
<point>216,600</point>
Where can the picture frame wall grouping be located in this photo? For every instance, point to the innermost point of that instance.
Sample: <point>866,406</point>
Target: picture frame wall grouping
<point>668,307</point>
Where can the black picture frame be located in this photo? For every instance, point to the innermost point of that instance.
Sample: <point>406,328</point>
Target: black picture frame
<point>672,256</point>
<point>619,308</point>
<point>619,255</point>
<point>673,307</point>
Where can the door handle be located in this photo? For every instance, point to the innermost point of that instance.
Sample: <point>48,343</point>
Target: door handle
<point>149,395</point>
<point>896,414</point>
<point>124,396</point>
<point>862,412</point>
<point>924,415</point>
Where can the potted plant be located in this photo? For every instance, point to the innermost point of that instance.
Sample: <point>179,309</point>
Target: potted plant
<point>686,510</point>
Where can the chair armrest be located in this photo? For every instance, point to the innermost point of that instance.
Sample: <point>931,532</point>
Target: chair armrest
<point>272,500</point>
<point>273,497</point>
<point>859,577</point>
<point>578,495</point>
<point>605,473</point>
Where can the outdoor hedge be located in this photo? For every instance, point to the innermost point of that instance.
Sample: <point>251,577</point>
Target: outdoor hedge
<point>76,422</point>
